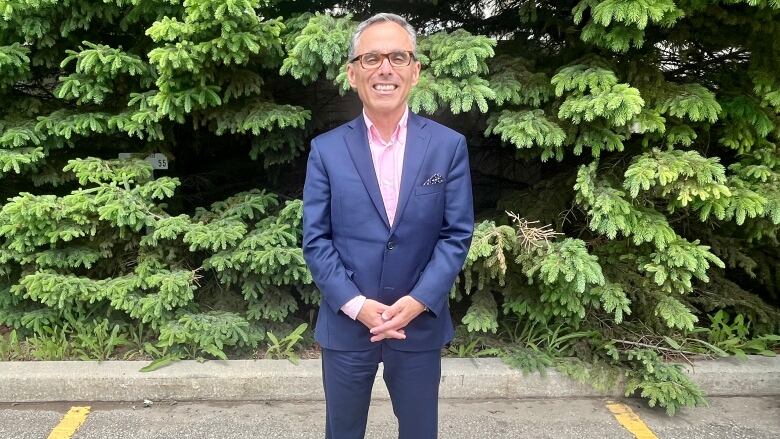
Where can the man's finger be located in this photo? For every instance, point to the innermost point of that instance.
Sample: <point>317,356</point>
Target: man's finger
<point>389,334</point>
<point>400,334</point>
<point>394,334</point>
<point>392,324</point>
<point>389,313</point>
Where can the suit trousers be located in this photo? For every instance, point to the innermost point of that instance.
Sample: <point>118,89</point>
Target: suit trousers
<point>412,379</point>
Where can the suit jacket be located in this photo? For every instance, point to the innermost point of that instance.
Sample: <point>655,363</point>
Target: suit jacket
<point>351,248</point>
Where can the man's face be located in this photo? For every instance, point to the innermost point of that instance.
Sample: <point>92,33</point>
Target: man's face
<point>383,89</point>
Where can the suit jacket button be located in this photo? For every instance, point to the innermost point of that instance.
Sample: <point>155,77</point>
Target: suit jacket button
<point>390,245</point>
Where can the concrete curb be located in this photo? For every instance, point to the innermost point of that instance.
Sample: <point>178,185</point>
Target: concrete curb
<point>266,380</point>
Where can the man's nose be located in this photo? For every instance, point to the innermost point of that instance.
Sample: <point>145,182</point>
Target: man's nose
<point>385,67</point>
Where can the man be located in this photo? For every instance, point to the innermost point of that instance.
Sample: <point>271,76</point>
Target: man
<point>387,223</point>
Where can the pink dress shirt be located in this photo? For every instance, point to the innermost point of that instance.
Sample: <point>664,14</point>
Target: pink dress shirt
<point>388,158</point>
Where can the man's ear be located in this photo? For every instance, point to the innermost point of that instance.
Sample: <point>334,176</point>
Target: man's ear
<point>351,75</point>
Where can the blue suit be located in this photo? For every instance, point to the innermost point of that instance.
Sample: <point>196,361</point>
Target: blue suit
<point>351,248</point>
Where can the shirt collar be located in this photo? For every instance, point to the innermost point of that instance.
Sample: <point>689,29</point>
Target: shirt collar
<point>373,133</point>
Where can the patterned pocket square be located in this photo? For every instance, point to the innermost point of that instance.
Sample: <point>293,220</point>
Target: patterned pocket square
<point>434,179</point>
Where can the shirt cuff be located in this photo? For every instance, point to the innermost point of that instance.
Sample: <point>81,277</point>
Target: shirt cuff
<point>353,307</point>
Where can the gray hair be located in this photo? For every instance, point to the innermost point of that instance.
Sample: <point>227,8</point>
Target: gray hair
<point>382,17</point>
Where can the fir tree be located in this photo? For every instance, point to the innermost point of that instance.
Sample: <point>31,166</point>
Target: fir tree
<point>651,127</point>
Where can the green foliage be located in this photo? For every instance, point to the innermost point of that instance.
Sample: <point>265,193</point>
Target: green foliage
<point>51,344</point>
<point>538,346</point>
<point>457,54</point>
<point>538,279</point>
<point>611,213</point>
<point>97,342</point>
<point>662,384</point>
<point>487,259</point>
<point>685,174</point>
<point>598,139</point>
<point>514,83</point>
<point>86,228</point>
<point>95,68</point>
<point>286,346</point>
<point>529,360</point>
<point>14,64</point>
<point>690,101</point>
<point>482,314</point>
<point>12,349</point>
<point>582,78</point>
<point>618,25</point>
<point>320,46</point>
<point>468,344</point>
<point>454,66</point>
<point>613,300</point>
<point>166,76</point>
<point>675,262</point>
<point>636,13</point>
<point>618,105</point>
<point>600,375</point>
<point>674,268</point>
<point>747,123</point>
<point>208,333</point>
<point>267,264</point>
<point>675,314</point>
<point>734,337</point>
<point>678,217</point>
<point>565,262</point>
<point>256,117</point>
<point>527,129</point>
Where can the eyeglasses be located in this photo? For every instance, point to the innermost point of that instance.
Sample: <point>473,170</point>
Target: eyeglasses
<point>372,60</point>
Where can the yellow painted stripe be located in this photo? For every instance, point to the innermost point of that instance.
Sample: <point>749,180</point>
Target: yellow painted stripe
<point>70,423</point>
<point>630,421</point>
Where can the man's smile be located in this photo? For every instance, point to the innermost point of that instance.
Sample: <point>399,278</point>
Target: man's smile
<point>385,88</point>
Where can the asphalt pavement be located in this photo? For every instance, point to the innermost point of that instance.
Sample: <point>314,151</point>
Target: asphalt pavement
<point>480,398</point>
<point>727,417</point>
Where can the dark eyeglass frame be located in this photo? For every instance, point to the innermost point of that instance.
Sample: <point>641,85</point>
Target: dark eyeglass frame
<point>382,57</point>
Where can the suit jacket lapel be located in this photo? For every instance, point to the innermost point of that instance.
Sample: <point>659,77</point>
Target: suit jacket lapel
<point>359,151</point>
<point>417,140</point>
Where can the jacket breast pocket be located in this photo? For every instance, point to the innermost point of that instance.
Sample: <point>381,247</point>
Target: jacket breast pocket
<point>430,189</point>
<point>426,206</point>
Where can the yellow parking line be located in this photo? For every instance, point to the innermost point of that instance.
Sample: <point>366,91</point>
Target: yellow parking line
<point>630,421</point>
<point>70,423</point>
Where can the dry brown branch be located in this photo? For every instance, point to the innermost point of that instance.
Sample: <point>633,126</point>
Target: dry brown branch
<point>532,237</point>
